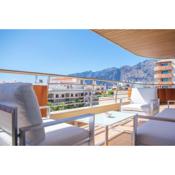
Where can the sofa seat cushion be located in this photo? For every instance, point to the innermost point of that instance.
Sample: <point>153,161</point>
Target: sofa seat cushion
<point>156,133</point>
<point>64,134</point>
<point>136,107</point>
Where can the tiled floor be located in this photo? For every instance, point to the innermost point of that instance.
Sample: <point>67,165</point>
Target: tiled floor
<point>120,135</point>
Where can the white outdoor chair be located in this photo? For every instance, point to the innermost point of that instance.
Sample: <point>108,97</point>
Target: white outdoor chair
<point>21,122</point>
<point>158,130</point>
<point>144,101</point>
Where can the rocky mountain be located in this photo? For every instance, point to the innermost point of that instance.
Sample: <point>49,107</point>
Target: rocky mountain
<point>141,72</point>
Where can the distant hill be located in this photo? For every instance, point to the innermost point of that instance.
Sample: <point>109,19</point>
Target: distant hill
<point>141,72</point>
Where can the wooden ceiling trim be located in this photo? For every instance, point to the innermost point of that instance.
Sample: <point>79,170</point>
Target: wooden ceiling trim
<point>148,43</point>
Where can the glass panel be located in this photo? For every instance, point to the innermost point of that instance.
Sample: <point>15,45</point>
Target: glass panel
<point>164,64</point>
<point>165,72</point>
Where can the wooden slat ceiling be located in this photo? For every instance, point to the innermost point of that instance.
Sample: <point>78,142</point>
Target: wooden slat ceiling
<point>147,43</point>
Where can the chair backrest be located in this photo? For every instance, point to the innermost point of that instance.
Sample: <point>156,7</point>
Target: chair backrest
<point>143,95</point>
<point>22,96</point>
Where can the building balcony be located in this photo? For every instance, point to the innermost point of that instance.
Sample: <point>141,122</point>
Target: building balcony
<point>165,83</point>
<point>160,68</point>
<point>159,76</point>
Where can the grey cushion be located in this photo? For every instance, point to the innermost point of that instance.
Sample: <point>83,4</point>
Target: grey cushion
<point>23,97</point>
<point>64,134</point>
<point>158,132</point>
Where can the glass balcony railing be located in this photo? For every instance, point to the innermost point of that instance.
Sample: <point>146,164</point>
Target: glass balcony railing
<point>62,92</point>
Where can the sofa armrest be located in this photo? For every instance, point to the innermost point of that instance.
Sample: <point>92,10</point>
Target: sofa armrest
<point>155,104</point>
<point>13,111</point>
<point>59,121</point>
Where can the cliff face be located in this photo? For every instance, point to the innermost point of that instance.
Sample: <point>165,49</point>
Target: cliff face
<point>142,72</point>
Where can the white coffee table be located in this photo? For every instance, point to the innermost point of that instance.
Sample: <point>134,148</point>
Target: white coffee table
<point>108,119</point>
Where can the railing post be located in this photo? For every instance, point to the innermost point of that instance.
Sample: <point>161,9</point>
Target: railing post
<point>36,79</point>
<point>135,124</point>
<point>92,92</point>
<point>115,94</point>
<point>84,93</point>
<point>91,99</point>
<point>48,80</point>
<point>120,103</point>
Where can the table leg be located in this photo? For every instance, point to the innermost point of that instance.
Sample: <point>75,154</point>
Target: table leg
<point>106,135</point>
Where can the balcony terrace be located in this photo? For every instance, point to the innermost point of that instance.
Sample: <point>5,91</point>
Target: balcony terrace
<point>97,102</point>
<point>108,104</point>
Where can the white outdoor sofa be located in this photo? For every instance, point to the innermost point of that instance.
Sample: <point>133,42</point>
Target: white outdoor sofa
<point>144,101</point>
<point>158,130</point>
<point>21,122</point>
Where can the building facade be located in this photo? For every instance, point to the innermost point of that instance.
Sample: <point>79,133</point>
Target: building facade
<point>164,72</point>
<point>71,90</point>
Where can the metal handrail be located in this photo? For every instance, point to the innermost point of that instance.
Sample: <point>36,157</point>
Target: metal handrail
<point>82,102</point>
<point>71,76</point>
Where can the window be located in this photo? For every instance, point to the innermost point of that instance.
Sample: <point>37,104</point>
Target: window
<point>57,95</point>
<point>164,64</point>
<point>165,72</point>
<point>165,87</point>
<point>50,95</point>
<point>67,94</point>
<point>165,79</point>
<point>62,95</point>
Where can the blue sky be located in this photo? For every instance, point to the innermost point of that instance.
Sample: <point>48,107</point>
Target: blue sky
<point>60,51</point>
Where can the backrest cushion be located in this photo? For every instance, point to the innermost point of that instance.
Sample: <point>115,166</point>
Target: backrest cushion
<point>143,95</point>
<point>23,97</point>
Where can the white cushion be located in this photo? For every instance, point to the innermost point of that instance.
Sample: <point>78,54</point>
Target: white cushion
<point>158,132</point>
<point>136,107</point>
<point>23,97</point>
<point>143,95</point>
<point>64,134</point>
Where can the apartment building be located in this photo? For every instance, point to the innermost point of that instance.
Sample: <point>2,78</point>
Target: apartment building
<point>67,89</point>
<point>164,72</point>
